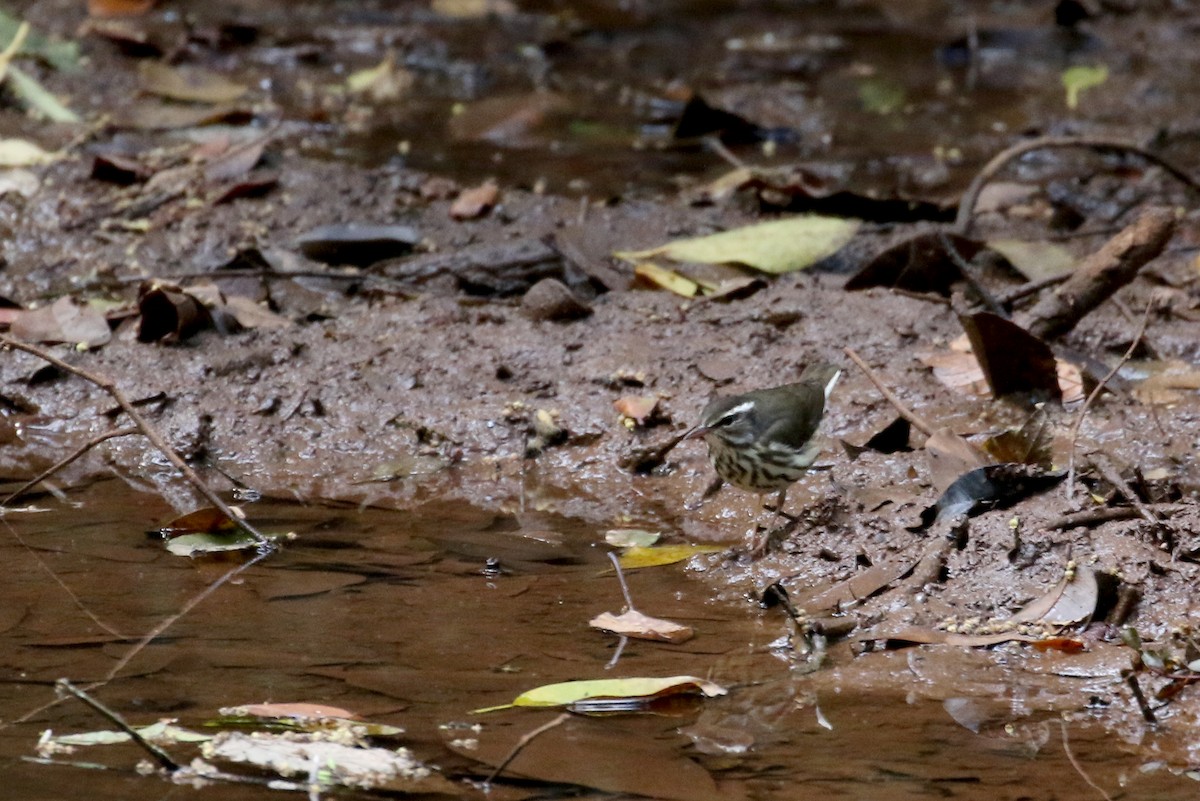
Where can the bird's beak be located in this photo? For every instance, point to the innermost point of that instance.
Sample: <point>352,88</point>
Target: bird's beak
<point>696,433</point>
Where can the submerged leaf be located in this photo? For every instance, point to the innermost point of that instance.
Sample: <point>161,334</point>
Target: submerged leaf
<point>780,246</point>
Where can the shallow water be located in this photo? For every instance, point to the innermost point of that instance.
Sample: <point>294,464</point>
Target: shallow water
<point>391,615</point>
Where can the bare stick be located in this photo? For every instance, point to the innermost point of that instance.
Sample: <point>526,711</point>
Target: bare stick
<point>62,463</point>
<point>968,275</point>
<point>1079,768</point>
<point>525,740</point>
<point>1092,396</point>
<point>1031,288</point>
<point>966,206</point>
<point>1140,697</point>
<point>1093,517</point>
<point>148,638</point>
<point>160,756</point>
<point>621,578</point>
<point>908,414</point>
<point>150,433</point>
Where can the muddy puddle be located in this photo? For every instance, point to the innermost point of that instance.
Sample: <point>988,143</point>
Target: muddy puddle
<point>416,619</point>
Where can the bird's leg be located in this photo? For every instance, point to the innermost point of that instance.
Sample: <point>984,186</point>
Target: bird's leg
<point>777,507</point>
<point>760,540</point>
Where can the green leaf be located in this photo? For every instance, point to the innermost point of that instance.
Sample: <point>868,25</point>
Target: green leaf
<point>196,544</point>
<point>780,246</point>
<point>570,692</point>
<point>1077,80</point>
<point>881,96</point>
<point>1034,260</point>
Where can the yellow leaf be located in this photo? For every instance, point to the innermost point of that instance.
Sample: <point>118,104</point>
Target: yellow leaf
<point>571,692</point>
<point>637,557</point>
<point>1076,80</point>
<point>667,279</point>
<point>776,247</point>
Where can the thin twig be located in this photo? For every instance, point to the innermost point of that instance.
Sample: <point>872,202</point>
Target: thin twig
<point>968,274</point>
<point>159,755</point>
<point>525,740</point>
<point>1092,396</point>
<point>908,414</point>
<point>62,463</point>
<point>75,599</point>
<point>621,578</point>
<point>966,206</point>
<point>157,631</point>
<point>1031,288</point>
<point>1140,697</point>
<point>1079,768</point>
<point>1092,517</point>
<point>149,431</point>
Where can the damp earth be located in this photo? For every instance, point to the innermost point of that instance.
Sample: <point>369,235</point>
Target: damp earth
<point>360,266</point>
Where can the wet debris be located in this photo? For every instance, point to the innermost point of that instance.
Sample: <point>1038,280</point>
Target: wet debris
<point>358,245</point>
<point>552,300</point>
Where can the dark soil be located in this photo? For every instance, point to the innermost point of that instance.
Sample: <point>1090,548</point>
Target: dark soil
<point>395,393</point>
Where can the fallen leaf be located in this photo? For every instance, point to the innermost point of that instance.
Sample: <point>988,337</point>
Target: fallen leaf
<point>119,8</point>
<point>475,202</point>
<point>950,456</point>
<point>642,688</point>
<point>629,537</point>
<point>1076,80</point>
<point>1036,260</point>
<point>62,321</point>
<point>1073,600</point>
<point>919,264</point>
<point>472,9</point>
<point>1014,361</point>
<point>23,153</point>
<point>643,627</point>
<point>636,407</point>
<point>775,247</point>
<point>301,710</point>
<point>670,280</point>
<point>189,84</point>
<point>636,558</point>
<point>383,83</point>
<point>989,487</point>
<point>196,544</point>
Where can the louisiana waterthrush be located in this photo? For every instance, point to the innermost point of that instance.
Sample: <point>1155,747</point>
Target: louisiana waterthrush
<point>765,440</point>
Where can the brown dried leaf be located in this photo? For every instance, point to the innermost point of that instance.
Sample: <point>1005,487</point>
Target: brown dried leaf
<point>189,84</point>
<point>62,321</point>
<point>475,202</point>
<point>636,407</point>
<point>643,627</point>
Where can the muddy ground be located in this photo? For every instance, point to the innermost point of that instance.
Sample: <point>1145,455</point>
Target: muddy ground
<point>395,393</point>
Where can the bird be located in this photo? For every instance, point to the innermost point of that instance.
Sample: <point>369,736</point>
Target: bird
<point>763,441</point>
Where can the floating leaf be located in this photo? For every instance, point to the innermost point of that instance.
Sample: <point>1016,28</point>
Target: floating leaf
<point>572,692</point>
<point>1077,80</point>
<point>636,558</point>
<point>780,246</point>
<point>643,627</point>
<point>164,732</point>
<point>196,544</point>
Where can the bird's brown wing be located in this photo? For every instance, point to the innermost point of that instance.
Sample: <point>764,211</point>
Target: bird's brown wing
<point>808,401</point>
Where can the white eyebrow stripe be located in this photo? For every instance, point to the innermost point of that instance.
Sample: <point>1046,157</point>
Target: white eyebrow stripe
<point>741,407</point>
